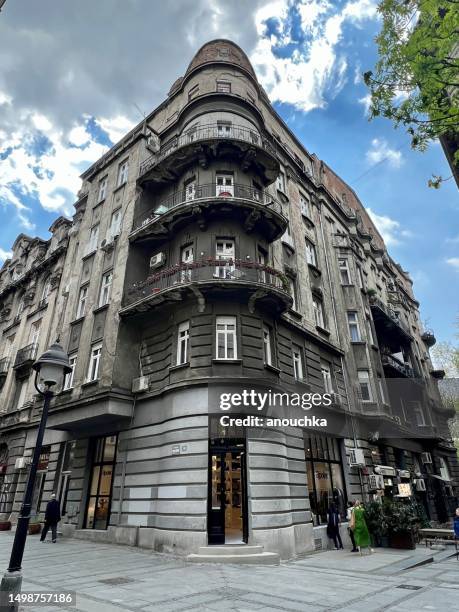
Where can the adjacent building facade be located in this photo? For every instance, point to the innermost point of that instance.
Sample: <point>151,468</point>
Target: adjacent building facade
<point>208,251</point>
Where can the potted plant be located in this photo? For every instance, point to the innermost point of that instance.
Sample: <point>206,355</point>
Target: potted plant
<point>376,523</point>
<point>402,524</point>
<point>34,525</point>
<point>5,523</point>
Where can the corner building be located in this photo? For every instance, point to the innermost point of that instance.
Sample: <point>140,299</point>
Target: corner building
<point>209,249</point>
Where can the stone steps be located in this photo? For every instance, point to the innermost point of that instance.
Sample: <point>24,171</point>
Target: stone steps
<point>241,554</point>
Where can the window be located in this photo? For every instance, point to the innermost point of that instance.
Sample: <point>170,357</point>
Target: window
<point>186,257</point>
<point>123,171</point>
<point>381,390</point>
<point>226,338</point>
<point>94,362</point>
<point>224,129</point>
<point>345,276</point>
<point>224,86</point>
<point>35,332</point>
<point>354,330</point>
<point>318,309</point>
<point>21,306</point>
<point>305,206</point>
<point>20,394</point>
<point>102,189</point>
<point>193,92</point>
<point>326,377</point>
<point>183,343</point>
<point>280,181</point>
<point>115,225</point>
<point>224,250</point>
<point>68,380</point>
<point>9,347</point>
<point>325,476</point>
<point>444,472</point>
<point>371,337</point>
<point>360,277</point>
<point>418,413</point>
<point>82,301</point>
<point>293,291</point>
<point>46,291</point>
<point>297,362</point>
<point>190,190</point>
<point>105,289</point>
<point>311,257</point>
<point>364,383</point>
<point>262,261</point>
<point>93,242</point>
<point>267,345</point>
<point>225,185</point>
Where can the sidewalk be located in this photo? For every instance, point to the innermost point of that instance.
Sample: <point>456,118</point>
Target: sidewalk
<point>109,578</point>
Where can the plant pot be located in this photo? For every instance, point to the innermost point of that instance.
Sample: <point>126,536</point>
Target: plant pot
<point>34,528</point>
<point>402,539</point>
<point>5,525</point>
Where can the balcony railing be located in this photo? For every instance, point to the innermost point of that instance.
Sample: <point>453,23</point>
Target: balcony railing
<point>404,369</point>
<point>212,131</point>
<point>4,365</point>
<point>209,272</point>
<point>183,198</point>
<point>25,355</point>
<point>391,314</point>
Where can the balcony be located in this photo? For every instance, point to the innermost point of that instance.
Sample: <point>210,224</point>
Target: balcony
<point>257,209</point>
<point>388,322</point>
<point>396,368</point>
<point>208,142</point>
<point>25,357</point>
<point>217,277</point>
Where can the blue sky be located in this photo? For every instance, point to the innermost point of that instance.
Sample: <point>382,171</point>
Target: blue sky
<point>65,97</point>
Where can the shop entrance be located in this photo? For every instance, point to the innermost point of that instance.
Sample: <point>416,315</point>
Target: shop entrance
<point>227,499</point>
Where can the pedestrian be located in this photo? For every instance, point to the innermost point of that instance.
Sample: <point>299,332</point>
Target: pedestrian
<point>350,508</point>
<point>333,523</point>
<point>52,517</point>
<point>456,531</point>
<point>359,527</point>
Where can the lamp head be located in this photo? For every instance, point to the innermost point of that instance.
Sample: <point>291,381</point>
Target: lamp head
<point>52,366</point>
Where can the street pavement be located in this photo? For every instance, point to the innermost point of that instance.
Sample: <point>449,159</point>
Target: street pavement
<point>109,578</point>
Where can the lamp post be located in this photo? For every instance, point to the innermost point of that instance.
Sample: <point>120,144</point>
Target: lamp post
<point>50,370</point>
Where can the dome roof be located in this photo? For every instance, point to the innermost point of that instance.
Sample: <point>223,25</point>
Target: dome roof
<point>221,50</point>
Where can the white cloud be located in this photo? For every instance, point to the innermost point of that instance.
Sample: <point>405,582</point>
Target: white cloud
<point>380,151</point>
<point>453,240</point>
<point>390,229</point>
<point>366,101</point>
<point>454,262</point>
<point>5,255</point>
<point>316,71</point>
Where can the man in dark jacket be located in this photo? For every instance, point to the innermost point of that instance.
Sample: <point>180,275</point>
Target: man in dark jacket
<point>52,517</point>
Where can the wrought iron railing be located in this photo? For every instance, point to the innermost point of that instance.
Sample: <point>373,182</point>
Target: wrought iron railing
<point>27,353</point>
<point>392,361</point>
<point>217,270</point>
<point>184,197</point>
<point>392,314</point>
<point>212,131</point>
<point>4,365</point>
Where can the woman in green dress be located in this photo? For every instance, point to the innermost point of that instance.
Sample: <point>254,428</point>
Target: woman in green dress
<point>360,529</point>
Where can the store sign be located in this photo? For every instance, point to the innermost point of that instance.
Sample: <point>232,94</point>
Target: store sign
<point>404,490</point>
<point>43,460</point>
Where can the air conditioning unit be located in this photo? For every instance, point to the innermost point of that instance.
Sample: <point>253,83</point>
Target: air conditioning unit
<point>157,260</point>
<point>426,458</point>
<point>375,482</point>
<point>404,473</point>
<point>385,470</point>
<point>21,463</point>
<point>140,384</point>
<point>356,457</point>
<point>420,484</point>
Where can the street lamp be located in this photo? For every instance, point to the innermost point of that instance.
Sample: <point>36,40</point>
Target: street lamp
<point>50,370</point>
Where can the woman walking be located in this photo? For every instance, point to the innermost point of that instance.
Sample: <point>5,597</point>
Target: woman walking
<point>334,520</point>
<point>350,510</point>
<point>360,529</point>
